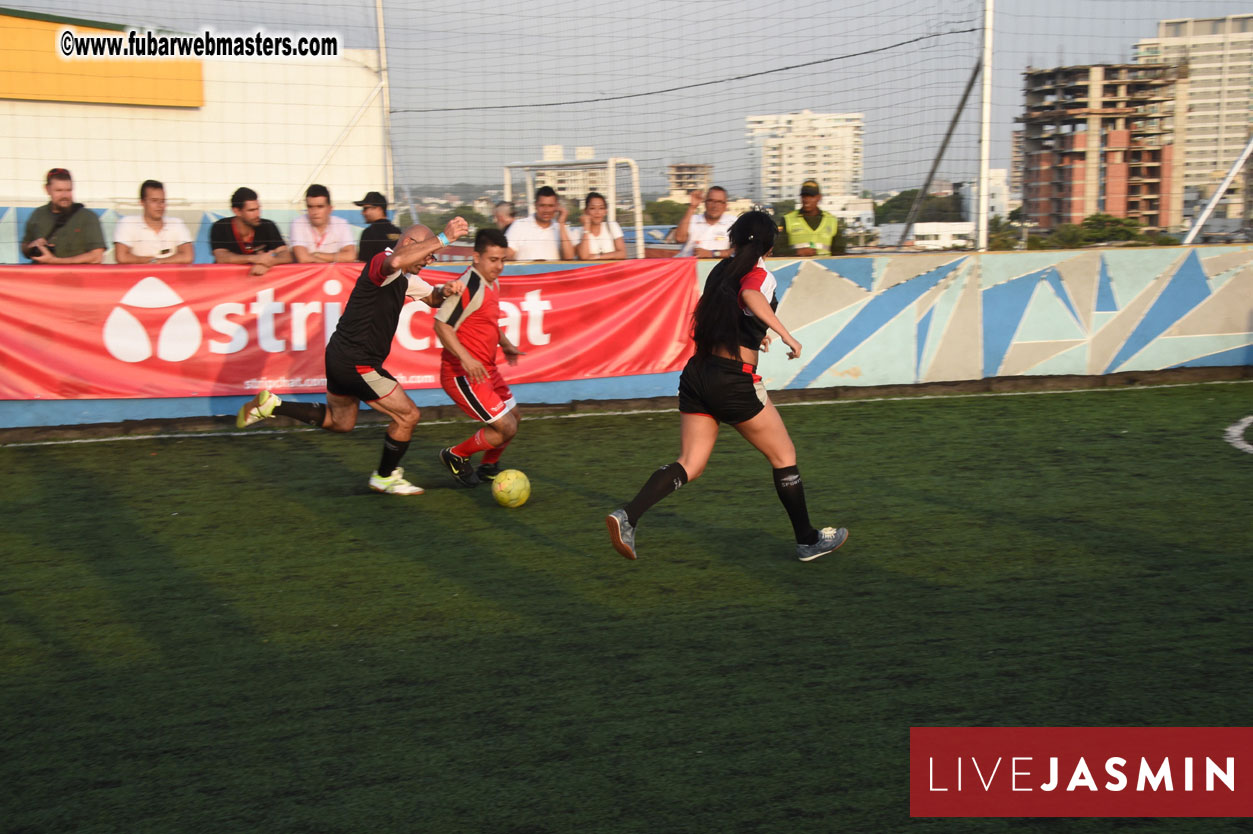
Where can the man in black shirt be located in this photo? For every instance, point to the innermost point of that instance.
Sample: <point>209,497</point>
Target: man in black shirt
<point>381,233</point>
<point>359,346</point>
<point>248,238</point>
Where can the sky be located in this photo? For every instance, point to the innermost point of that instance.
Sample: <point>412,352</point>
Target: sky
<point>481,83</point>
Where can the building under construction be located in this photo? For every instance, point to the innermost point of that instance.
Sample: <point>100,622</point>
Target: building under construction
<point>688,176</point>
<point>1101,139</point>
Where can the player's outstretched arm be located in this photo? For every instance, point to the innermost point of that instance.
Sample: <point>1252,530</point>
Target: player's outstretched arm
<point>438,295</point>
<point>759,307</point>
<point>415,254</point>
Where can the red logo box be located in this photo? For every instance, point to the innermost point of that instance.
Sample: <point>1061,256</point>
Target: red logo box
<point>1081,771</point>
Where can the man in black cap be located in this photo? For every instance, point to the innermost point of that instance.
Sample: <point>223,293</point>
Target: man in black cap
<point>381,233</point>
<point>808,230</point>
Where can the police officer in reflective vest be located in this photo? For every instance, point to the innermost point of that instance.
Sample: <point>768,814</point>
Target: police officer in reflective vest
<point>809,230</point>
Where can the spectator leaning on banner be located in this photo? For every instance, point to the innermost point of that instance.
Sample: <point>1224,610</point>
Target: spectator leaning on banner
<point>248,238</point>
<point>320,237</point>
<point>152,238</point>
<point>542,236</point>
<point>808,230</point>
<point>62,232</point>
<point>705,235</point>
<point>381,233</point>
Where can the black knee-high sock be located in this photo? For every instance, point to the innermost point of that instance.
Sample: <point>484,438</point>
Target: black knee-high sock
<point>787,482</point>
<point>312,413</point>
<point>660,484</point>
<point>393,451</point>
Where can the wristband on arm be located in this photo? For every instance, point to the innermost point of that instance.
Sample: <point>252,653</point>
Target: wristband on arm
<point>443,239</point>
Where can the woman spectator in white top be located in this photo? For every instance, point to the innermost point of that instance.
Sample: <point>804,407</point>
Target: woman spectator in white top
<point>602,239</point>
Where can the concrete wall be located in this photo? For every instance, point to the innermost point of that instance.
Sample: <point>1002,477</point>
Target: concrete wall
<point>266,124</point>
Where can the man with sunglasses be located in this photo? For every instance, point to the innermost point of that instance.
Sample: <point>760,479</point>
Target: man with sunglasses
<point>705,235</point>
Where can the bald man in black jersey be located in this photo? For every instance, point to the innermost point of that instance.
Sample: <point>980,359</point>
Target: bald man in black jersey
<point>359,346</point>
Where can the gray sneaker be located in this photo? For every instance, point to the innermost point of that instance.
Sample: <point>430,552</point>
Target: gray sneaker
<point>621,533</point>
<point>829,539</point>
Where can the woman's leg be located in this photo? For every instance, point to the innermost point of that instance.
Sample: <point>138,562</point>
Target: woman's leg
<point>697,435</point>
<point>768,434</point>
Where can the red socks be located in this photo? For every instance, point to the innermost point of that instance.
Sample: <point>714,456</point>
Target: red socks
<point>477,443</point>
<point>493,454</point>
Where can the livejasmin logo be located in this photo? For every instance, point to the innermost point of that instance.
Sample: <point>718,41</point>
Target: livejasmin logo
<point>181,334</point>
<point>1080,771</point>
<point>1021,772</point>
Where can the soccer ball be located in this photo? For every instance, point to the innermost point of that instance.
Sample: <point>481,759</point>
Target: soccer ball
<point>511,488</point>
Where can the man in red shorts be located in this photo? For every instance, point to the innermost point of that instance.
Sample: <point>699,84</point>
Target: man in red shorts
<point>360,345</point>
<point>469,327</point>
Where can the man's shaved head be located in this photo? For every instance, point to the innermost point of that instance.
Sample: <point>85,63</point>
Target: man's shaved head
<point>415,234</point>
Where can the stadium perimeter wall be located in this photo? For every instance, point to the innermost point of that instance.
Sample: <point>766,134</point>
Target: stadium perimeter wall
<point>906,319</point>
<point>203,126</point>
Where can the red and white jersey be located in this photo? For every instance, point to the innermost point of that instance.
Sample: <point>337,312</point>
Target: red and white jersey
<point>475,316</point>
<point>752,329</point>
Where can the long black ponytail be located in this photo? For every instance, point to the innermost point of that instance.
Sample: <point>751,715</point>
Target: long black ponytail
<point>716,321</point>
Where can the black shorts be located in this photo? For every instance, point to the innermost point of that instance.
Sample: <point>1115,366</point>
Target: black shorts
<point>365,382</point>
<point>725,389</point>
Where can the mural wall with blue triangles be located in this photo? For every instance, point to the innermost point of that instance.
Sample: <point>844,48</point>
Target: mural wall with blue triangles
<point>905,319</point>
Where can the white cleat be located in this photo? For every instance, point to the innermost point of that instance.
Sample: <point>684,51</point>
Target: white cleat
<point>394,484</point>
<point>260,407</point>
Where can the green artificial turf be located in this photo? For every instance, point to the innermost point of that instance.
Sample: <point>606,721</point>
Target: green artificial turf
<point>233,634</point>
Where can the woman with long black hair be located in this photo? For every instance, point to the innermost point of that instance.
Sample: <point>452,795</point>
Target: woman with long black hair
<point>720,384</point>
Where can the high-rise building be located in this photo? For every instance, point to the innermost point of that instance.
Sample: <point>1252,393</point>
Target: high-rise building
<point>998,195</point>
<point>685,177</point>
<point>1015,164</point>
<point>1218,55</point>
<point>1100,139</point>
<point>572,183</point>
<point>790,148</point>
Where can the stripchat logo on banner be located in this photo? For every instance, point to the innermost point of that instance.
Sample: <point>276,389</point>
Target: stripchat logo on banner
<point>273,326</point>
<point>1081,771</point>
<point>233,325</point>
<point>126,338</point>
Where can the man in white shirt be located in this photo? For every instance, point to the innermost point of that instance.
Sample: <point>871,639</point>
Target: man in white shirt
<point>705,235</point>
<point>152,238</point>
<point>320,237</point>
<point>542,236</point>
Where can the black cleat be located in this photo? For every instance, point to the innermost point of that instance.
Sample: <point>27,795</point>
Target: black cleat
<point>460,468</point>
<point>488,471</point>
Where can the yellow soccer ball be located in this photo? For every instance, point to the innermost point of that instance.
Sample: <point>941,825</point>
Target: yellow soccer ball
<point>511,488</point>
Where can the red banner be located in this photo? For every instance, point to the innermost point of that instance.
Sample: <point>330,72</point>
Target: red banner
<point>1080,771</point>
<point>100,332</point>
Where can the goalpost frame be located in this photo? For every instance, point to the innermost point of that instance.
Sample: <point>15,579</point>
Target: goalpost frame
<point>610,165</point>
